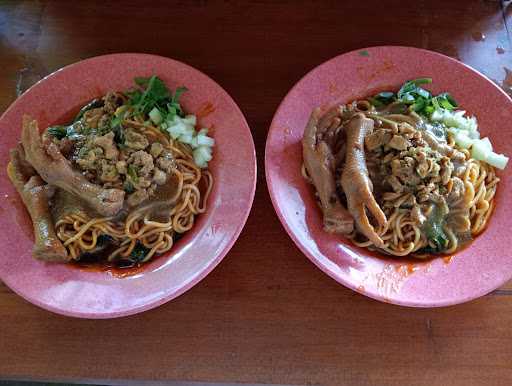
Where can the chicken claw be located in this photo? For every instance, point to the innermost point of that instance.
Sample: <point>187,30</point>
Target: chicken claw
<point>355,180</point>
<point>34,193</point>
<point>51,165</point>
<point>320,165</point>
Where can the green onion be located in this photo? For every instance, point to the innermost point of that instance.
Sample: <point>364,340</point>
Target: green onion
<point>419,104</point>
<point>155,115</point>
<point>382,98</point>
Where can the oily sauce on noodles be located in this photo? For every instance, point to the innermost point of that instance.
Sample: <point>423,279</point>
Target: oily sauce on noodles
<point>427,259</point>
<point>124,268</point>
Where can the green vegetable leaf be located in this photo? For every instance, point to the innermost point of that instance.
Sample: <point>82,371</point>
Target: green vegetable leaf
<point>141,81</point>
<point>139,252</point>
<point>128,187</point>
<point>419,104</point>
<point>408,98</point>
<point>174,106</point>
<point>434,231</point>
<point>58,132</point>
<point>154,93</point>
<point>177,94</point>
<point>116,121</point>
<point>61,131</point>
<point>382,98</point>
<point>422,93</point>
<point>119,137</point>
<point>412,87</point>
<point>429,110</point>
<point>445,101</point>
<point>104,239</point>
<point>94,104</point>
<point>135,97</point>
<point>133,174</point>
<point>421,100</point>
<point>385,95</point>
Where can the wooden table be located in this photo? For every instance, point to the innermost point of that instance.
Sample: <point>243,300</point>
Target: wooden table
<point>266,314</point>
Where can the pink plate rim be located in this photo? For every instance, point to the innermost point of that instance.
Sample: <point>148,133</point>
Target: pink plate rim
<point>272,187</point>
<point>244,212</point>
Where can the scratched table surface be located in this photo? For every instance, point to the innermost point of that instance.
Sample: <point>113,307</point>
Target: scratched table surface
<point>265,314</point>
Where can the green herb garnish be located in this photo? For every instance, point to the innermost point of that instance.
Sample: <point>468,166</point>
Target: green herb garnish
<point>128,187</point>
<point>416,98</point>
<point>95,103</point>
<point>383,98</point>
<point>444,101</point>
<point>434,231</point>
<point>61,131</point>
<point>139,252</point>
<point>133,174</point>
<point>104,239</point>
<point>58,132</point>
<point>153,93</point>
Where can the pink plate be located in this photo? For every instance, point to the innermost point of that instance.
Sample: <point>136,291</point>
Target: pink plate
<point>473,272</point>
<point>79,293</point>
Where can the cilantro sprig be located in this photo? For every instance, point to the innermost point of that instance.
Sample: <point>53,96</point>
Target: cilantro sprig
<point>153,93</point>
<point>150,94</point>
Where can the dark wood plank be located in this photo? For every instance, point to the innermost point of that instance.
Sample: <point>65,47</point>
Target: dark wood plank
<point>266,314</point>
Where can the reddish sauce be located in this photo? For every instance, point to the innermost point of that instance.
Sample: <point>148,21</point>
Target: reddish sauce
<point>205,110</point>
<point>407,268</point>
<point>332,88</point>
<point>386,66</point>
<point>448,259</point>
<point>112,270</point>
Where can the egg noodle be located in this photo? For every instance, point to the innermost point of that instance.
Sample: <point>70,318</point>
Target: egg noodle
<point>79,232</point>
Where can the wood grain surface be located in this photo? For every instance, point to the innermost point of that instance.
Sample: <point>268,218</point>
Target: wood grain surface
<point>266,314</point>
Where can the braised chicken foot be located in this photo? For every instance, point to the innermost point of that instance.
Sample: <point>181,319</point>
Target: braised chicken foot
<point>55,169</point>
<point>320,163</point>
<point>355,180</point>
<point>35,194</point>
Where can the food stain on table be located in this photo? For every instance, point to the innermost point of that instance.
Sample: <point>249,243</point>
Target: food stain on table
<point>478,36</point>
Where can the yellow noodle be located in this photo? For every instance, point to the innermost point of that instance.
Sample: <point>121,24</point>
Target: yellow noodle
<point>469,213</point>
<point>79,233</point>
